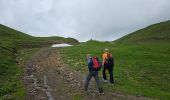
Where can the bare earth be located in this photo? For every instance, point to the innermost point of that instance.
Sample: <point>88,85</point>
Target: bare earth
<point>48,78</point>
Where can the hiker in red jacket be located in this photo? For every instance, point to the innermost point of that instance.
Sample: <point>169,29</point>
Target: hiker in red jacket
<point>93,66</point>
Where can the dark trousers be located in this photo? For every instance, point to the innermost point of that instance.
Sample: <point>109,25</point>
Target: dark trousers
<point>88,78</point>
<point>110,69</point>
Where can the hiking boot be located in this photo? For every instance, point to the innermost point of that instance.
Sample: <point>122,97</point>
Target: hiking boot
<point>105,81</point>
<point>111,83</point>
<point>102,93</point>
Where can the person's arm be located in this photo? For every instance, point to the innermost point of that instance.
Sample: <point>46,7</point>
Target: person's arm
<point>103,60</point>
<point>86,56</point>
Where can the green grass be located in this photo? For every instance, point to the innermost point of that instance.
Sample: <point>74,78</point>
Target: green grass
<point>76,97</point>
<point>141,60</point>
<point>14,44</point>
<point>142,68</point>
<point>155,33</point>
<point>9,78</point>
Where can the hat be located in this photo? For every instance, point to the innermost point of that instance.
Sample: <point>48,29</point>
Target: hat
<point>106,49</point>
<point>89,56</point>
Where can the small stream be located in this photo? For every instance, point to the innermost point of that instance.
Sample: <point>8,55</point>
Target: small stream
<point>48,90</point>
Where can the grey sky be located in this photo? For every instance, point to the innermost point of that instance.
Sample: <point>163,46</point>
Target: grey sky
<point>82,19</point>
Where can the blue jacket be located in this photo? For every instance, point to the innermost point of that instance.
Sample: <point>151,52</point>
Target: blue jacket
<point>90,64</point>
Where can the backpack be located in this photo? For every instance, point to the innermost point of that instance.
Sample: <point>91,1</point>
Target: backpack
<point>96,63</point>
<point>90,62</point>
<point>109,59</point>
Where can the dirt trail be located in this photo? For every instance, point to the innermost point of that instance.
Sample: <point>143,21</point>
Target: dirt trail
<point>47,78</point>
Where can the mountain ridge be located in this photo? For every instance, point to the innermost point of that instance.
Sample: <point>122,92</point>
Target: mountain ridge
<point>159,32</point>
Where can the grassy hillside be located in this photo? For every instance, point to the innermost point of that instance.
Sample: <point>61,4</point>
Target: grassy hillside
<point>13,42</point>
<point>142,61</point>
<point>10,35</point>
<point>155,33</point>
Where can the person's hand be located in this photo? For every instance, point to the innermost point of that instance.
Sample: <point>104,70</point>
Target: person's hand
<point>102,63</point>
<point>87,56</point>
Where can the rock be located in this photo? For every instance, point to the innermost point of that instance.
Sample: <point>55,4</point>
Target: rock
<point>43,97</point>
<point>7,97</point>
<point>31,76</point>
<point>39,88</point>
<point>78,83</point>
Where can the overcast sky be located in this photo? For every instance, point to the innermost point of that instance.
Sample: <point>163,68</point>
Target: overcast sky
<point>82,19</point>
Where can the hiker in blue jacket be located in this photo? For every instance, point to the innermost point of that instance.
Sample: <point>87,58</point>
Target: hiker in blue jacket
<point>92,73</point>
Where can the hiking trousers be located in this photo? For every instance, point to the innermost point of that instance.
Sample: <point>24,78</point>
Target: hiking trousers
<point>110,70</point>
<point>88,78</point>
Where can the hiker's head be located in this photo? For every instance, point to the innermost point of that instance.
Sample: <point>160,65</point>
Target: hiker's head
<point>89,56</point>
<point>106,50</point>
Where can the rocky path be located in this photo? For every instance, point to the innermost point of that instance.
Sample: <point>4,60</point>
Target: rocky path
<point>47,78</point>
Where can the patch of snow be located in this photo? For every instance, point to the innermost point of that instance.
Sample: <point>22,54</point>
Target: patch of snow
<point>61,45</point>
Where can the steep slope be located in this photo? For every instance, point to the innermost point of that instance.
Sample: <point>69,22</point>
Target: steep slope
<point>155,33</point>
<point>8,33</point>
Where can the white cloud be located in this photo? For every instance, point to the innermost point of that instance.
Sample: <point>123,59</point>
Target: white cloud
<point>82,19</point>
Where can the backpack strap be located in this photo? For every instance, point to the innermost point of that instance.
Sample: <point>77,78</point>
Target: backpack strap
<point>90,62</point>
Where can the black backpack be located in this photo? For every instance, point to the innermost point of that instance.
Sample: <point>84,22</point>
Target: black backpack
<point>110,60</point>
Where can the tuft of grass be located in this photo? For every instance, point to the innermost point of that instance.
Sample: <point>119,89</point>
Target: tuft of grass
<point>77,97</point>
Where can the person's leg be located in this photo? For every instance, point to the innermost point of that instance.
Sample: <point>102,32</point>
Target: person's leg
<point>98,83</point>
<point>111,74</point>
<point>104,73</point>
<point>88,78</point>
